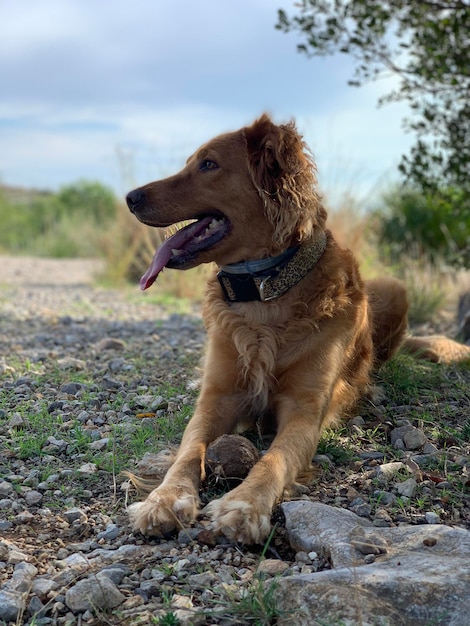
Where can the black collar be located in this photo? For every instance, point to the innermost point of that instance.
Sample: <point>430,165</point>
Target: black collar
<point>266,279</point>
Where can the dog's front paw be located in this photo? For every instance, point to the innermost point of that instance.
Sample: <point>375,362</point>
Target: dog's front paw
<point>163,510</point>
<point>239,519</point>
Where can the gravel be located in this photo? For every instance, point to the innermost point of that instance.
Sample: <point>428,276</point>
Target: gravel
<point>101,368</point>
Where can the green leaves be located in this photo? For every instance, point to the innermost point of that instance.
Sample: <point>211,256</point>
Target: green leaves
<point>426,44</point>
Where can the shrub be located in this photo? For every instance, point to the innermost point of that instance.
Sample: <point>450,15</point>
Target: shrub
<point>66,224</point>
<point>435,226</point>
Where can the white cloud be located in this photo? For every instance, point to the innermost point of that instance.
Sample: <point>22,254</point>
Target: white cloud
<point>85,80</point>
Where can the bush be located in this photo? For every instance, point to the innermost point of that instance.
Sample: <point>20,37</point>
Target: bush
<point>91,200</point>
<point>66,224</point>
<point>434,226</point>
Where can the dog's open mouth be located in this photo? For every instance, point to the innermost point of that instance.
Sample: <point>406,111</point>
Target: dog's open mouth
<point>182,248</point>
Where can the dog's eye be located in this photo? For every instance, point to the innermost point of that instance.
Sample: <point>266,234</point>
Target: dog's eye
<point>207,164</point>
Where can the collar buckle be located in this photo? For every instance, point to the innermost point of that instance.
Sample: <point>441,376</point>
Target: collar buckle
<point>261,289</point>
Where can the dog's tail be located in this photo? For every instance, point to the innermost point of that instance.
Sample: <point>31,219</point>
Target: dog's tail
<point>437,349</point>
<point>151,470</point>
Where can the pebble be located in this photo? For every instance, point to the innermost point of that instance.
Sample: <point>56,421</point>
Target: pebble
<point>97,592</point>
<point>432,517</point>
<point>11,604</point>
<point>410,437</point>
<point>388,471</point>
<point>407,488</point>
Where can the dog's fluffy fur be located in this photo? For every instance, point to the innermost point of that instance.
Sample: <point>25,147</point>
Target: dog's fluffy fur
<point>295,363</point>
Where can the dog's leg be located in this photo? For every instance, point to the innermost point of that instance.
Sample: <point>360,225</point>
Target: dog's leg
<point>175,502</point>
<point>244,513</point>
<point>311,394</point>
<point>307,399</point>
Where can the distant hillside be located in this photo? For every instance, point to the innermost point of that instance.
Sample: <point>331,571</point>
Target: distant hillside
<point>22,195</point>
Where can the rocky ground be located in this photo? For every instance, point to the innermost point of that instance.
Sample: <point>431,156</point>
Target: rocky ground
<point>91,379</point>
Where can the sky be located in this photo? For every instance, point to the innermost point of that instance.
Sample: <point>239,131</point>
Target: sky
<point>123,91</point>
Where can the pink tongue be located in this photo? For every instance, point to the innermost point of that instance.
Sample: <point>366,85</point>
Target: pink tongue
<point>175,242</point>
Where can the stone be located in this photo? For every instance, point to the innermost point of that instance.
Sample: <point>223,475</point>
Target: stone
<point>110,533</point>
<point>312,525</point>
<point>87,469</point>
<point>11,605</point>
<point>110,343</point>
<point>358,420</point>
<point>370,544</point>
<point>273,567</point>
<point>92,593</point>
<point>388,471</point>
<point>33,497</point>
<point>74,514</point>
<point>43,586</point>
<point>36,608</point>
<point>5,488</point>
<point>71,363</point>
<point>202,581</point>
<point>116,572</point>
<point>71,389</point>
<point>407,488</point>
<point>399,444</point>
<point>432,517</point>
<point>16,556</point>
<point>413,438</point>
<point>422,578</point>
<point>430,448</point>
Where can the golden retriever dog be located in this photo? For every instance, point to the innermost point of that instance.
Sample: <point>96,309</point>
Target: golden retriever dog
<point>293,333</point>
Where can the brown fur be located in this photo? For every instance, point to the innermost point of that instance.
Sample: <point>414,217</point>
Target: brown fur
<point>295,363</point>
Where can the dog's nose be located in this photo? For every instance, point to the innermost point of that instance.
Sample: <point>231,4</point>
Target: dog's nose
<point>135,199</point>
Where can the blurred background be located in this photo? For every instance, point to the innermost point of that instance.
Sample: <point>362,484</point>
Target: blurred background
<point>100,97</point>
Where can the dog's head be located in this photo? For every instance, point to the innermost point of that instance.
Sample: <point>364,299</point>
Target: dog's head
<point>251,193</point>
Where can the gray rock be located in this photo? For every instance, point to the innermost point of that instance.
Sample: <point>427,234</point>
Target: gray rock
<point>16,556</point>
<point>74,514</point>
<point>413,438</point>
<point>95,592</point>
<point>110,533</point>
<point>71,389</point>
<point>312,525</point>
<point>36,608</point>
<point>42,586</point>
<point>430,448</point>
<point>204,580</point>
<point>11,604</point>
<point>407,488</point>
<point>71,363</point>
<point>360,507</point>
<point>368,544</point>
<point>5,488</point>
<point>87,469</point>
<point>116,572</point>
<point>20,580</point>
<point>33,497</point>
<point>111,383</point>
<point>399,445</point>
<point>388,471</point>
<point>423,578</point>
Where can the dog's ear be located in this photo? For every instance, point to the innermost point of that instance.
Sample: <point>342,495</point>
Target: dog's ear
<point>283,172</point>
<point>271,153</point>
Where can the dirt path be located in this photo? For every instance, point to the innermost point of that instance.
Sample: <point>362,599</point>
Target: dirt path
<point>38,271</point>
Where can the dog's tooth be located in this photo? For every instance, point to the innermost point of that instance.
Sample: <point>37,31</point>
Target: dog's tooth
<point>176,252</point>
